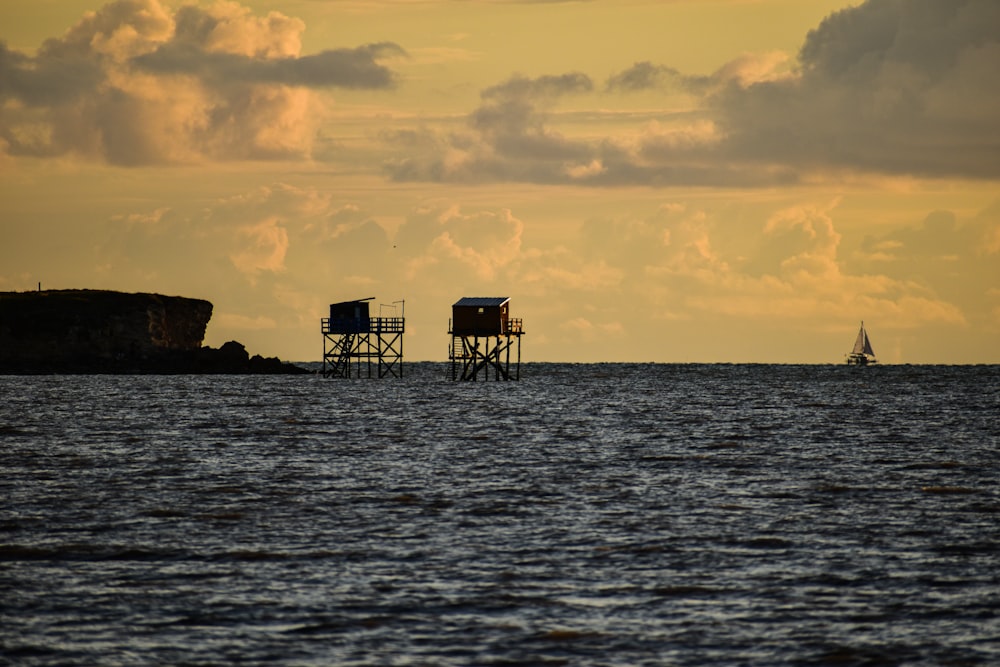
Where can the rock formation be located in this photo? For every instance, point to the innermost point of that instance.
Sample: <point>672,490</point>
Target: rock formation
<point>97,331</point>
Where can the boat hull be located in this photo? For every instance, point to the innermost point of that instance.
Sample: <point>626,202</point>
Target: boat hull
<point>860,360</point>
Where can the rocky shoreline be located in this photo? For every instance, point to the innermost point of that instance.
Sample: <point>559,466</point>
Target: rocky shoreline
<point>108,332</point>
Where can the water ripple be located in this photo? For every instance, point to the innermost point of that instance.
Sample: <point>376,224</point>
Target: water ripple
<point>587,515</point>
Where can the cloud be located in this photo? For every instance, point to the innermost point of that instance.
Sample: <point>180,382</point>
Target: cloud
<point>263,247</point>
<point>345,68</point>
<point>511,137</point>
<point>901,87</point>
<point>281,254</point>
<point>798,240</point>
<point>643,76</point>
<point>136,84</point>
<point>944,254</point>
<point>228,27</point>
<point>44,81</point>
<point>444,240</point>
<point>512,121</point>
<point>548,86</point>
<point>508,138</point>
<point>683,264</point>
<point>894,87</point>
<point>743,71</point>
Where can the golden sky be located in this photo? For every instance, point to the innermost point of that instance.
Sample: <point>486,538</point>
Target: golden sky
<point>666,181</point>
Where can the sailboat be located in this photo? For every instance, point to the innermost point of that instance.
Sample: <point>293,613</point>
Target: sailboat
<point>862,354</point>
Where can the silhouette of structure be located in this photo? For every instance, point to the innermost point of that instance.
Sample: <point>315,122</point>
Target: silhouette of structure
<point>483,337</point>
<point>355,344</point>
<point>862,354</point>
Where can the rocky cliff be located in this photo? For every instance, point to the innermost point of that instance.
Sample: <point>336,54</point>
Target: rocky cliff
<point>96,331</point>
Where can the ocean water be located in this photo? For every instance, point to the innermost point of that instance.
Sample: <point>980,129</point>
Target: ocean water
<point>606,514</point>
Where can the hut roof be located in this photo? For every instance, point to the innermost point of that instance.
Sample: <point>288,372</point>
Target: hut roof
<point>341,303</point>
<point>482,301</point>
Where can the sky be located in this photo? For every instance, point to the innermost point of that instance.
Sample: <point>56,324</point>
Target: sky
<point>647,181</point>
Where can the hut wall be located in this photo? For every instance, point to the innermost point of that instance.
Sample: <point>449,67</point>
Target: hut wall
<point>479,320</point>
<point>349,317</point>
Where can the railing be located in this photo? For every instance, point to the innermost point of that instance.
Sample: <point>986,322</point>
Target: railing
<point>387,325</point>
<point>375,325</point>
<point>512,326</point>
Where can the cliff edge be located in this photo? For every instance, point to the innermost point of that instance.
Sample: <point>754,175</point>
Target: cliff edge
<point>100,331</point>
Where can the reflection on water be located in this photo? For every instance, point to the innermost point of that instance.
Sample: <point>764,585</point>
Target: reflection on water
<point>587,515</point>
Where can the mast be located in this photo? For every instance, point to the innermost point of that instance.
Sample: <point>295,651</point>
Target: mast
<point>861,342</point>
<point>862,354</point>
<point>868,344</point>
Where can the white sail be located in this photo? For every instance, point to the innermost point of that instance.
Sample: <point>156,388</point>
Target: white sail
<point>862,348</point>
<point>860,342</point>
<point>868,346</point>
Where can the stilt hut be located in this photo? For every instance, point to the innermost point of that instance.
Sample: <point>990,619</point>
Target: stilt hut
<point>356,344</point>
<point>485,339</point>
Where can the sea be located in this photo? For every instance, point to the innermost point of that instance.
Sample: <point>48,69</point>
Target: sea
<point>588,514</point>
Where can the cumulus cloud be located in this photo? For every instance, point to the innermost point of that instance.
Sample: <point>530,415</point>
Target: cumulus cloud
<point>512,136</point>
<point>896,87</point>
<point>263,247</point>
<point>135,83</point>
<point>308,239</point>
<point>444,240</point>
<point>743,71</point>
<point>953,258</point>
<point>508,138</point>
<point>796,271</point>
<point>284,253</point>
<point>906,87</point>
<point>797,240</point>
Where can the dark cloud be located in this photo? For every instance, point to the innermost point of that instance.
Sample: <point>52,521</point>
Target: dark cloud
<point>899,87</point>
<point>510,139</point>
<point>514,113</point>
<point>344,68</point>
<point>549,86</point>
<point>928,35</point>
<point>45,80</point>
<point>644,76</point>
<point>517,130</point>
